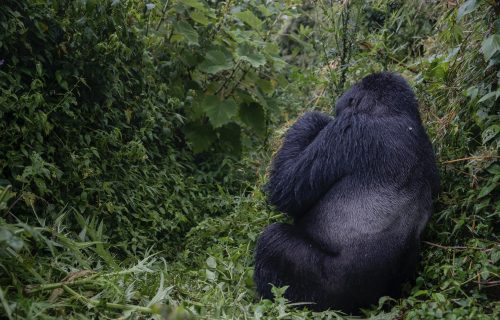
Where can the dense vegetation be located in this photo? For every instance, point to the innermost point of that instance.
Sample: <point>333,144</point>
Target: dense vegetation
<point>135,135</point>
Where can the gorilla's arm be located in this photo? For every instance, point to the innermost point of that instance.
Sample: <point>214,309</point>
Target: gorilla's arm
<point>299,136</point>
<point>307,164</point>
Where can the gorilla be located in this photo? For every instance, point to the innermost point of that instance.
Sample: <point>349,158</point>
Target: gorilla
<point>359,188</point>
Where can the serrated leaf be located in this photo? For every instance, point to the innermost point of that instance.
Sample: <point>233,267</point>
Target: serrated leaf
<point>201,136</point>
<point>272,49</point>
<point>219,112</point>
<point>246,53</point>
<point>199,17</point>
<point>230,136</point>
<point>490,46</point>
<point>438,297</point>
<point>249,18</point>
<point>267,86</point>
<point>265,11</point>
<point>187,33</point>
<point>253,115</point>
<point>466,8</point>
<point>194,4</point>
<point>216,61</point>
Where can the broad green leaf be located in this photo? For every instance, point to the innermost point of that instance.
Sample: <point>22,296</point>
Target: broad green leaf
<point>252,115</point>
<point>487,189</point>
<point>490,133</point>
<point>219,112</point>
<point>211,263</point>
<point>494,169</point>
<point>272,49</point>
<point>472,92</point>
<point>194,111</point>
<point>278,63</point>
<point>249,18</point>
<point>201,136</point>
<point>230,136</point>
<point>265,11</point>
<point>216,61</point>
<point>466,8</point>
<point>267,86</point>
<point>193,3</point>
<point>489,96</point>
<point>210,275</point>
<point>60,80</point>
<point>491,45</point>
<point>184,29</point>
<point>438,297</point>
<point>199,17</point>
<point>246,53</point>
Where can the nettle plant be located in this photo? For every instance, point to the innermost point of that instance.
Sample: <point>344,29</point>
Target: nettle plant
<point>226,65</point>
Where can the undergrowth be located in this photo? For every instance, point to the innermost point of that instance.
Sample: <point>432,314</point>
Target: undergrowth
<point>126,193</point>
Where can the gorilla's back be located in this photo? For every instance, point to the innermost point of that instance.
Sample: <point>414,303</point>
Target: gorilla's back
<point>347,215</point>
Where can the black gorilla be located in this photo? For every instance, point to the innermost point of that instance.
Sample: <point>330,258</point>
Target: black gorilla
<point>359,187</point>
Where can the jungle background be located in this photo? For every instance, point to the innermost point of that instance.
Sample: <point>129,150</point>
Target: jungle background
<point>135,137</point>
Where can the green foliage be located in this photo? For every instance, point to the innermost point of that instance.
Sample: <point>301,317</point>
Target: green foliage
<point>120,120</point>
<point>223,60</point>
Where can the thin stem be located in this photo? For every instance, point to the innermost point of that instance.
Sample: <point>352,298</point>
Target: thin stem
<point>472,158</point>
<point>230,77</point>
<point>110,305</point>
<point>163,11</point>
<point>51,286</point>
<point>456,247</point>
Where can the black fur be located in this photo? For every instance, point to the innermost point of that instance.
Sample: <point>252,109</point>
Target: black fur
<point>359,187</point>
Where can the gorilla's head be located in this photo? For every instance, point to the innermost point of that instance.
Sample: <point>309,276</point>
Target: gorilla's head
<point>379,94</point>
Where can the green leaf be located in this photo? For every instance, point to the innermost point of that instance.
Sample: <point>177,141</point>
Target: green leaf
<point>201,136</point>
<point>246,53</point>
<point>211,263</point>
<point>186,32</point>
<point>216,61</point>
<point>466,8</point>
<point>194,4</point>
<point>490,46</point>
<point>489,96</point>
<point>230,136</point>
<point>210,275</point>
<point>487,189</point>
<point>265,11</point>
<point>60,80</point>
<point>219,113</point>
<point>253,115</point>
<point>472,92</point>
<point>438,297</point>
<point>199,17</point>
<point>266,86</point>
<point>490,133</point>
<point>249,18</point>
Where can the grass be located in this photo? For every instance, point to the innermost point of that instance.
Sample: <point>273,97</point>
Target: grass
<point>52,271</point>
